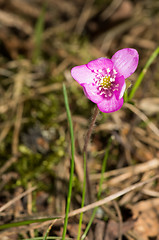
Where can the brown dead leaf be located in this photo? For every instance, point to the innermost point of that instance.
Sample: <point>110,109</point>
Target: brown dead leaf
<point>144,154</point>
<point>73,230</point>
<point>112,231</point>
<point>146,214</point>
<point>99,230</point>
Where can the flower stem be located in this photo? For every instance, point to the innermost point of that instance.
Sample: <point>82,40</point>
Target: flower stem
<point>86,181</point>
<point>87,138</point>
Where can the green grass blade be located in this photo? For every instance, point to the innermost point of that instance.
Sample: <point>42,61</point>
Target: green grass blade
<point>89,224</point>
<point>72,161</point>
<point>48,238</point>
<point>100,188</point>
<point>47,232</point>
<point>26,222</point>
<point>38,35</point>
<point>142,74</point>
<point>83,197</point>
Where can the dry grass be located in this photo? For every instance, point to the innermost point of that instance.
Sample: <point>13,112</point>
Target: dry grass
<point>34,140</point>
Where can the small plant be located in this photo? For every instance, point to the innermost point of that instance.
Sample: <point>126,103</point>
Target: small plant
<point>103,81</point>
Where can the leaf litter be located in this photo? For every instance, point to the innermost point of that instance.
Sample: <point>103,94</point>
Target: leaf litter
<point>35,170</point>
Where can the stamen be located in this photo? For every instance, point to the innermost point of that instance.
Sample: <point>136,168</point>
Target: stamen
<point>105,81</point>
<point>114,71</point>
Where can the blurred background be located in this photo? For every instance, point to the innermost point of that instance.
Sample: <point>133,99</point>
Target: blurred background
<point>40,41</point>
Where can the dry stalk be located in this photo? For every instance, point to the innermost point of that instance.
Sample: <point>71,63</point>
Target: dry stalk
<point>12,20</point>
<point>85,14</point>
<point>120,219</point>
<point>95,204</point>
<point>112,197</point>
<point>128,172</point>
<point>16,132</point>
<point>143,117</point>
<point>84,209</point>
<point>14,200</point>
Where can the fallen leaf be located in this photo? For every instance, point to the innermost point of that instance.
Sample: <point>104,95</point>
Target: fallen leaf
<point>146,214</point>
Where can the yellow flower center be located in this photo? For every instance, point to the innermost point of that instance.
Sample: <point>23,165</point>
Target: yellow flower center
<point>106,82</point>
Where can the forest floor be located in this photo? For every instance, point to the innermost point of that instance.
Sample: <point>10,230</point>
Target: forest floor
<point>39,44</point>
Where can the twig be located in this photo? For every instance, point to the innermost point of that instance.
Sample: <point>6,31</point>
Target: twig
<point>17,126</point>
<point>8,164</point>
<point>14,200</point>
<point>90,206</point>
<point>127,172</point>
<point>120,219</point>
<point>86,13</point>
<point>112,197</point>
<point>108,12</point>
<point>143,117</point>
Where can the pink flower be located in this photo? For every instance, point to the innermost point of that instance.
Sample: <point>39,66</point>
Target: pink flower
<point>103,79</point>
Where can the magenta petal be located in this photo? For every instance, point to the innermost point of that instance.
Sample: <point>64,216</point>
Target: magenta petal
<point>126,61</point>
<point>82,74</point>
<point>122,86</point>
<point>110,105</point>
<point>100,63</point>
<point>92,93</point>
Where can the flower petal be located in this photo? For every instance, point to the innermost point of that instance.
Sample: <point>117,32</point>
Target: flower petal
<point>100,63</point>
<point>82,74</point>
<point>122,86</point>
<point>110,105</point>
<point>126,61</point>
<point>92,93</point>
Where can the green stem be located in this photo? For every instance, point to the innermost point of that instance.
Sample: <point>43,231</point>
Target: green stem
<point>72,162</point>
<point>142,74</point>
